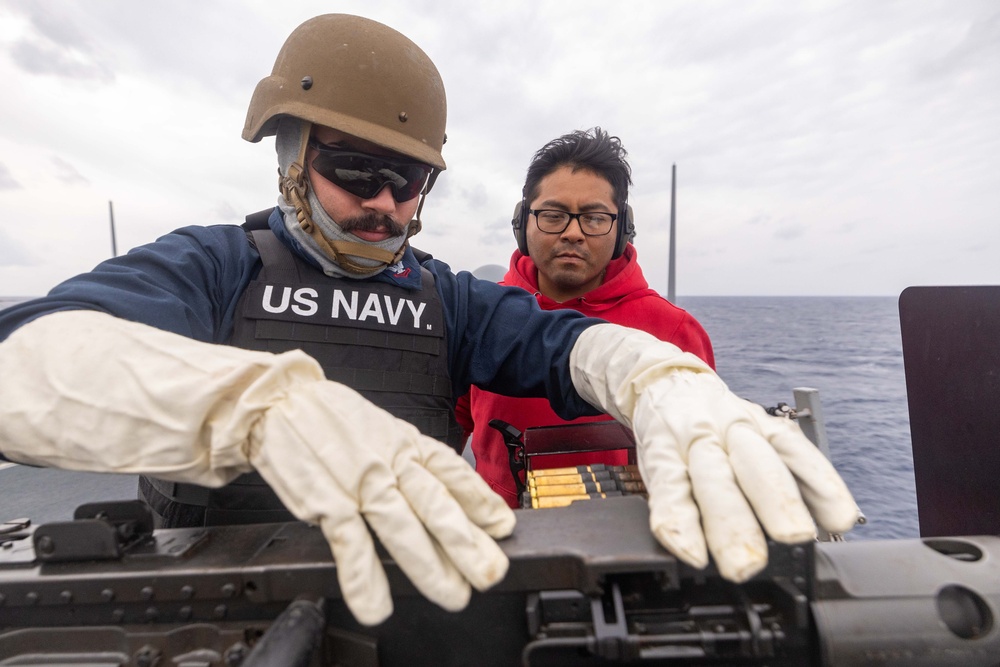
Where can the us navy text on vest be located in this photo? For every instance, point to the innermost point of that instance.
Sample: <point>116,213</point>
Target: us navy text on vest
<point>326,304</point>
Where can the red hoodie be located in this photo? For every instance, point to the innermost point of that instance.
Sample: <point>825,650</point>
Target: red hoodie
<point>623,298</point>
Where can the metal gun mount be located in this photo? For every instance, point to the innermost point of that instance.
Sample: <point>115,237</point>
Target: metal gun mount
<point>587,585</point>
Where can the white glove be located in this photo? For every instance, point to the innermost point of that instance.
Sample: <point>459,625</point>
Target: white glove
<point>709,459</point>
<point>86,391</point>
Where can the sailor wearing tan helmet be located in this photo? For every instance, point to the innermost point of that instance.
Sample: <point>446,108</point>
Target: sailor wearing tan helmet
<point>307,362</point>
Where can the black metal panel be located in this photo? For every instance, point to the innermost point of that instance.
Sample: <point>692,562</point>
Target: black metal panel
<point>951,355</point>
<point>585,581</point>
<point>587,585</point>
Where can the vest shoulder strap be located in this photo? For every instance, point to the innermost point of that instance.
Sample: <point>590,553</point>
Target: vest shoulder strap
<point>257,220</point>
<point>279,262</point>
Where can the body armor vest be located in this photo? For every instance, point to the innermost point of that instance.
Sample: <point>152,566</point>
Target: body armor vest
<point>386,342</point>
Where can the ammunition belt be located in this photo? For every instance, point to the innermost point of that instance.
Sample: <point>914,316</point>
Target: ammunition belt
<point>558,487</point>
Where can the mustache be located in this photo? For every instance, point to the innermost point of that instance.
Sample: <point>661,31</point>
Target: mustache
<point>373,222</point>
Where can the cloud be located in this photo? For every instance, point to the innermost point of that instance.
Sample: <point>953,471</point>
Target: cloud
<point>67,173</point>
<point>858,129</point>
<point>789,231</point>
<point>178,42</point>
<point>476,196</point>
<point>498,233</point>
<point>13,252</point>
<point>7,181</point>
<point>977,51</point>
<point>55,46</point>
<point>227,213</point>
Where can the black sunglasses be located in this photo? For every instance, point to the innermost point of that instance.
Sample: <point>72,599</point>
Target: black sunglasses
<point>365,175</point>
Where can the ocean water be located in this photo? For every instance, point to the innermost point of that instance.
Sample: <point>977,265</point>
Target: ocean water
<point>850,350</point>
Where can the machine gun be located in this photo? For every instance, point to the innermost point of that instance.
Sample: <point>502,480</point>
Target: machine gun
<point>588,585</point>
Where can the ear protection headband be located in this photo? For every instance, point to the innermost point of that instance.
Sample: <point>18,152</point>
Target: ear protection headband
<point>624,233</point>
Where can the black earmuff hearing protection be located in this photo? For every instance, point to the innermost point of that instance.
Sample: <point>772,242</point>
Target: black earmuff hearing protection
<point>520,224</point>
<point>625,231</point>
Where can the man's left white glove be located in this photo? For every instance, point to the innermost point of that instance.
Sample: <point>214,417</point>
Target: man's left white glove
<point>86,391</point>
<point>716,467</point>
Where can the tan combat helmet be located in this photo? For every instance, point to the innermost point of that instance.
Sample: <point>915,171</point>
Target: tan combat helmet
<point>362,78</point>
<point>357,76</point>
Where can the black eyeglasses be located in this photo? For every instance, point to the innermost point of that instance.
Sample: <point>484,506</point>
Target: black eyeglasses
<point>365,175</point>
<point>592,223</point>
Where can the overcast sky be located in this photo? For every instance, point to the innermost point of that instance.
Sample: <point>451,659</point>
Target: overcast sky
<point>822,148</point>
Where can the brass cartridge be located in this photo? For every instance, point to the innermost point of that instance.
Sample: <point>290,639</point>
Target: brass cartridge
<point>563,501</point>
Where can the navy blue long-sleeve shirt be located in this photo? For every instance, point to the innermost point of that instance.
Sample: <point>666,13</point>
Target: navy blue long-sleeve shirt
<point>190,281</point>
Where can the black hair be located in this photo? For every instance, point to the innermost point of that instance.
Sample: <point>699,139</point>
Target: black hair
<point>591,150</point>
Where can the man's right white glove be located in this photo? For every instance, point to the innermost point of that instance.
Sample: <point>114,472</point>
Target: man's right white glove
<point>716,467</point>
<point>337,460</point>
<point>86,391</point>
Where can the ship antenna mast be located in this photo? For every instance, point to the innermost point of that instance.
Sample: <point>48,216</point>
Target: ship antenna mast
<point>671,273</point>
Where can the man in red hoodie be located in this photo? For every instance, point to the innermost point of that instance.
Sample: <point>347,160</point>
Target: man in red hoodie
<point>573,229</point>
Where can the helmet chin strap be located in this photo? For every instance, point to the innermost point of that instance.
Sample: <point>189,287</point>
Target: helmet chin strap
<point>295,190</point>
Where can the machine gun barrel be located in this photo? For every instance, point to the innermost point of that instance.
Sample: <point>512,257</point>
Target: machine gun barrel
<point>588,585</point>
